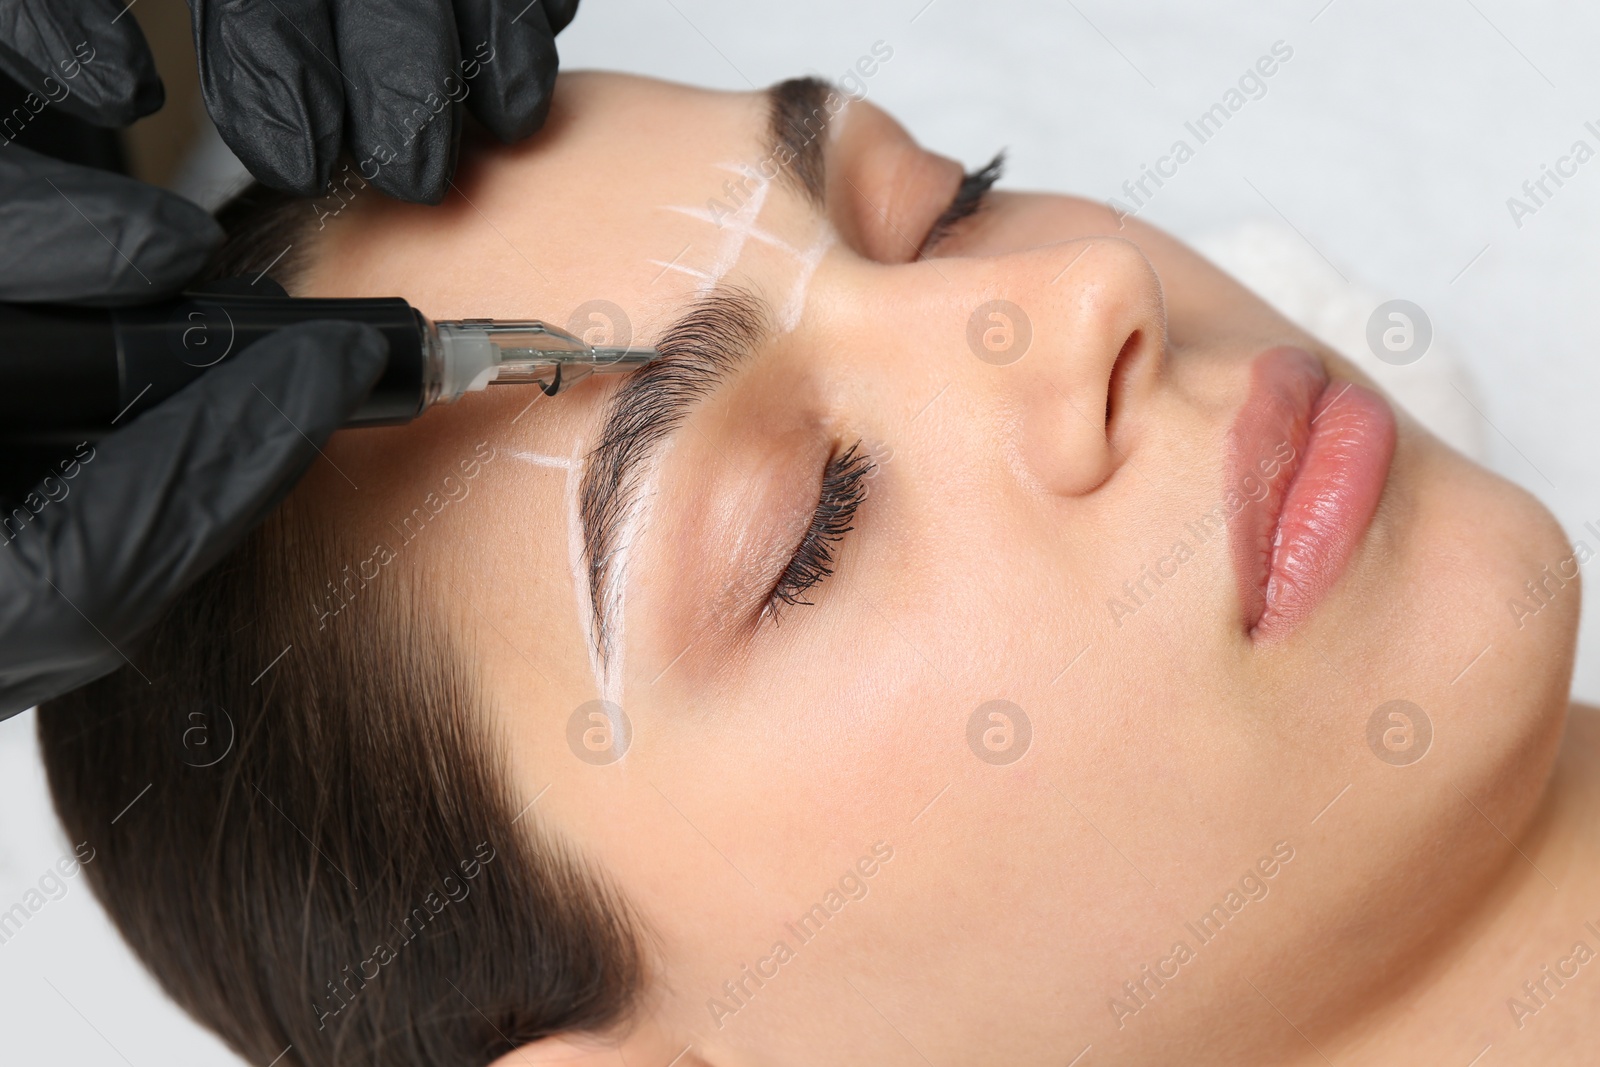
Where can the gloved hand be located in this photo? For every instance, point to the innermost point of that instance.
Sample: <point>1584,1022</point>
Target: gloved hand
<point>149,508</point>
<point>289,83</point>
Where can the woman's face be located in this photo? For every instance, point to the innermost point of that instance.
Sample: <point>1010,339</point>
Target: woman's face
<point>1076,502</point>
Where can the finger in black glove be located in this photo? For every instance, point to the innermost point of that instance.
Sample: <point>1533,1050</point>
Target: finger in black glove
<point>88,236</point>
<point>290,84</point>
<point>156,504</point>
<point>95,53</point>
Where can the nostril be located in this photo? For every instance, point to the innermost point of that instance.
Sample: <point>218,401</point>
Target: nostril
<point>1120,372</point>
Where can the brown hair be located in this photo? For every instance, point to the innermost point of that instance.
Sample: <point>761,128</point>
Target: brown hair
<point>308,834</point>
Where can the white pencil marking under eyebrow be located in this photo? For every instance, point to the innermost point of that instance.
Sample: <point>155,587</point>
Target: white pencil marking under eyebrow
<point>699,352</point>
<point>582,601</point>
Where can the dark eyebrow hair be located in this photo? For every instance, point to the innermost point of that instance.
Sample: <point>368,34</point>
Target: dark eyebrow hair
<point>799,112</point>
<point>698,353</point>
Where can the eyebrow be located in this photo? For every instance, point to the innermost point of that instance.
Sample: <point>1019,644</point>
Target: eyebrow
<point>798,114</point>
<point>699,353</point>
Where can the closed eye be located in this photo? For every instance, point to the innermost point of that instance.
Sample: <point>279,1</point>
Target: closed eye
<point>844,487</point>
<point>969,199</point>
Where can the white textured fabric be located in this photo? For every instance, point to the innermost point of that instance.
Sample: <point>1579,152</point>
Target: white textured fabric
<point>1437,389</point>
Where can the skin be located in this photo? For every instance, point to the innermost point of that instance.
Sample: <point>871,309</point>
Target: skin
<point>1170,753</point>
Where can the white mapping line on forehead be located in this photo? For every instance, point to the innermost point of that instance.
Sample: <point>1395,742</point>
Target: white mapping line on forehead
<point>542,460</point>
<point>794,306</point>
<point>704,277</point>
<point>836,124</point>
<point>706,215</point>
<point>744,229</point>
<point>736,228</point>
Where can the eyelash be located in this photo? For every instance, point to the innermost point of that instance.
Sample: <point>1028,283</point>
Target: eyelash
<point>844,487</point>
<point>969,198</point>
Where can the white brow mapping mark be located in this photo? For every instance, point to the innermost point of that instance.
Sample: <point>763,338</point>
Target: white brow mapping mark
<point>612,611</point>
<point>795,305</point>
<point>776,242</point>
<point>836,125</point>
<point>573,465</point>
<point>752,230</point>
<point>736,232</point>
<point>539,459</point>
<point>580,580</point>
<point>693,272</point>
<point>739,227</point>
<point>700,213</point>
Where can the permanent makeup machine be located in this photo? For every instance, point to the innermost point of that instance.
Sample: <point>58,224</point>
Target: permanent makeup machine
<point>67,373</point>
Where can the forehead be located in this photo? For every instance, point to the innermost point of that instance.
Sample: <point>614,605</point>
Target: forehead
<point>588,211</point>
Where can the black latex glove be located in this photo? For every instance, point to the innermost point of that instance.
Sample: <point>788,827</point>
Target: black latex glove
<point>82,55</point>
<point>291,83</point>
<point>157,503</point>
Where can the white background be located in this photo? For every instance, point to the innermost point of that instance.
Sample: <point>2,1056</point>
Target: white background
<point>1389,143</point>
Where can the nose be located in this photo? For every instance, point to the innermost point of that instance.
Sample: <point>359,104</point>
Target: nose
<point>1063,338</point>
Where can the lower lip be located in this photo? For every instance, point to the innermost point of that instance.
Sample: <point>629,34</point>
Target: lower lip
<point>1310,457</point>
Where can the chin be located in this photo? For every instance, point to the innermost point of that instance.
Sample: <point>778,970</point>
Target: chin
<point>1478,543</point>
<point>1423,617</point>
<point>1512,552</point>
<point>1498,678</point>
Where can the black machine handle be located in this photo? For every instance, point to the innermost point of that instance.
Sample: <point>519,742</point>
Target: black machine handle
<point>71,373</point>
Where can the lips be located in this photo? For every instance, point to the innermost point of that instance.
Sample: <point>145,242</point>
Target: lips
<point>1310,456</point>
